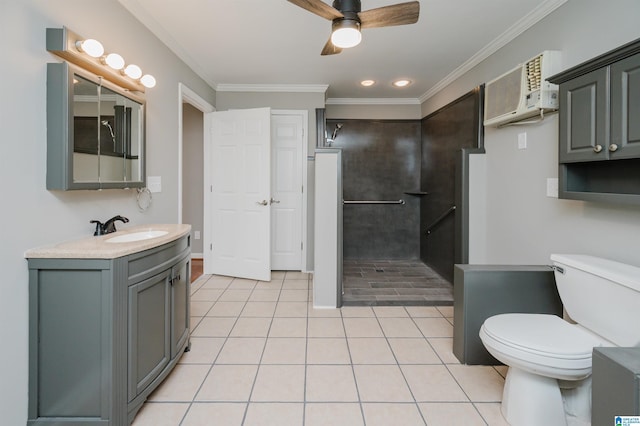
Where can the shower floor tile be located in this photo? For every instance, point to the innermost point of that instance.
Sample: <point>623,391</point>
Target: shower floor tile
<point>371,282</point>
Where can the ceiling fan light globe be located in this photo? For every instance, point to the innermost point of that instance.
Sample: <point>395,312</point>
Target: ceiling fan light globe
<point>346,33</point>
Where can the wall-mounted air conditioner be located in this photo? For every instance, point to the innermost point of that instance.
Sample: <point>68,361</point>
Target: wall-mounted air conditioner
<point>523,92</point>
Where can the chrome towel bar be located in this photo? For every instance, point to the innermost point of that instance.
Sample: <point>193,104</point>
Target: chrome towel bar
<point>373,202</point>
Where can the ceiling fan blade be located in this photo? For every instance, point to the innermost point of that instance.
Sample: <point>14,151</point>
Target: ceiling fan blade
<point>388,16</point>
<point>330,49</point>
<point>318,7</point>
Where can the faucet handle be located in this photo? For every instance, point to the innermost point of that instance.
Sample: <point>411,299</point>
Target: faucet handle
<point>99,227</point>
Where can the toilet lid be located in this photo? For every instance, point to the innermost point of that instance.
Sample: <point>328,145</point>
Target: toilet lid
<point>546,335</point>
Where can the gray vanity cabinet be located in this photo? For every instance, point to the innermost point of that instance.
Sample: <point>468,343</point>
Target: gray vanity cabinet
<point>104,333</point>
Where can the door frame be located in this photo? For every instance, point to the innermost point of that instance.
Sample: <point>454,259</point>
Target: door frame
<point>185,94</point>
<point>305,178</point>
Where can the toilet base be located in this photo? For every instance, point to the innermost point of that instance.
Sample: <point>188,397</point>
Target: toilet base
<point>532,400</point>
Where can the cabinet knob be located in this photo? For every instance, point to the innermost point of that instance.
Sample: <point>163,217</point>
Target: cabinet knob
<point>613,147</point>
<point>597,148</point>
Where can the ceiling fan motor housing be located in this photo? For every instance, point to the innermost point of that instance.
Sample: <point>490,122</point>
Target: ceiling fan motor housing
<point>343,6</point>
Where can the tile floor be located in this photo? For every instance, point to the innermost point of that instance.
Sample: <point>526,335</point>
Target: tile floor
<point>261,355</point>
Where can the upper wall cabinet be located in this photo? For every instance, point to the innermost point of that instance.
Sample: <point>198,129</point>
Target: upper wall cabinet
<point>599,151</point>
<point>95,132</point>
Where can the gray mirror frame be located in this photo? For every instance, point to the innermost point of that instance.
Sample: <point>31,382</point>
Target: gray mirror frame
<point>60,138</point>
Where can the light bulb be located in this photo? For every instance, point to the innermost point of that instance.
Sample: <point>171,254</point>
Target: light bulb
<point>133,71</point>
<point>91,47</point>
<point>114,60</point>
<point>346,33</point>
<point>148,81</point>
<point>367,83</point>
<point>401,83</point>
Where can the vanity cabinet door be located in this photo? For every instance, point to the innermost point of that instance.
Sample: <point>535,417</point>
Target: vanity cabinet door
<point>180,294</point>
<point>625,108</point>
<point>149,334</point>
<point>584,134</point>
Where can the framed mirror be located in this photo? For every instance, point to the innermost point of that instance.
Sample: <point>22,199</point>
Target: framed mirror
<point>95,132</point>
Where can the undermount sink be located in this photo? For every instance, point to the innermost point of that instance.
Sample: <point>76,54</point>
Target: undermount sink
<point>136,236</point>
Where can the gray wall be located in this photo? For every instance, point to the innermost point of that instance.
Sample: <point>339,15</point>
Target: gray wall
<point>31,215</point>
<point>193,174</point>
<point>380,161</point>
<point>516,222</point>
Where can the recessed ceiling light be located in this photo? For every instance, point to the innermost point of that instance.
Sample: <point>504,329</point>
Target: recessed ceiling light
<point>367,83</point>
<point>401,83</point>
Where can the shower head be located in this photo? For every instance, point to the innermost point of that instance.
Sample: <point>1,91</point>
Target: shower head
<point>107,125</point>
<point>336,130</point>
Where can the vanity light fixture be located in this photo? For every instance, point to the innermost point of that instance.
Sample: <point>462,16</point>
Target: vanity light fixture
<point>367,83</point>
<point>89,54</point>
<point>402,83</point>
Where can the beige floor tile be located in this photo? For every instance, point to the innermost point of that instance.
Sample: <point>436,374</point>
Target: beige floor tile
<point>181,384</point>
<point>198,284</point>
<point>357,312</point>
<point>392,414</point>
<point>259,309</point>
<point>241,350</point>
<point>274,284</point>
<point>444,349</point>
<point>323,313</point>
<point>206,295</point>
<point>242,283</point>
<point>233,295</point>
<point>285,351</point>
<point>194,321</point>
<point>413,351</point>
<point>291,309</point>
<point>214,327</point>
<point>278,414</point>
<point>279,383</point>
<point>423,311</point>
<point>370,350</point>
<point>295,285</point>
<point>204,350</point>
<point>390,312</point>
<point>200,308</point>
<point>381,383</point>
<point>288,327</point>
<point>446,311</point>
<point>297,275</point>
<point>442,414</point>
<point>327,351</point>
<point>490,412</point>
<point>294,295</point>
<point>160,414</point>
<point>278,275</point>
<point>226,309</point>
<point>251,327</point>
<point>333,414</point>
<point>432,383</point>
<point>330,383</point>
<point>399,327</point>
<point>215,413</point>
<point>362,327</point>
<point>325,327</point>
<point>502,370</point>
<point>220,283</point>
<point>228,383</point>
<point>434,327</point>
<point>264,295</point>
<point>480,383</point>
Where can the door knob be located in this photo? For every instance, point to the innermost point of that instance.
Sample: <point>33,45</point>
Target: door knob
<point>274,201</point>
<point>262,203</point>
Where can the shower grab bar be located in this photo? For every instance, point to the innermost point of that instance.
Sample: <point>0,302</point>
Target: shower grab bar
<point>440,219</point>
<point>373,202</point>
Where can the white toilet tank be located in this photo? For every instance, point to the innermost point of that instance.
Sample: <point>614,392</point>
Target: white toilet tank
<point>601,295</point>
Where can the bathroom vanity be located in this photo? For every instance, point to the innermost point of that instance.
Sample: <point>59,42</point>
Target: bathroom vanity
<point>108,321</point>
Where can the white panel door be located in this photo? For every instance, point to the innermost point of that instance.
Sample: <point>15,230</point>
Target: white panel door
<point>287,142</point>
<point>240,193</point>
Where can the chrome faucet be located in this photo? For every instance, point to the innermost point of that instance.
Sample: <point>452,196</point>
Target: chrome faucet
<point>109,226</point>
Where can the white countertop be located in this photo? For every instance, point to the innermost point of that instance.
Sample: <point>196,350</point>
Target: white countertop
<point>99,248</point>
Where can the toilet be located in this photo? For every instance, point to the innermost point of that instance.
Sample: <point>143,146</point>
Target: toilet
<point>549,378</point>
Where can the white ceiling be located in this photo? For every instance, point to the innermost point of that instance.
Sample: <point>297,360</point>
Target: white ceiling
<point>233,44</point>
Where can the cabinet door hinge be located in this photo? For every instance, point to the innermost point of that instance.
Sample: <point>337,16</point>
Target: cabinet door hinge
<point>301,246</point>
<point>211,247</point>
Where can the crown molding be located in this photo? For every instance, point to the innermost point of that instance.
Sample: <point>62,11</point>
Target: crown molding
<point>372,101</point>
<point>503,39</point>
<point>286,88</point>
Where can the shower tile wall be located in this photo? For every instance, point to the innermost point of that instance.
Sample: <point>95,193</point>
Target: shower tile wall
<point>381,160</point>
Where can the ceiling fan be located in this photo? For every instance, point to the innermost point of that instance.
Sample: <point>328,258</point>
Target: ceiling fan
<point>348,19</point>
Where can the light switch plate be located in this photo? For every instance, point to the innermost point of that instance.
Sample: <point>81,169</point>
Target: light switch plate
<point>154,183</point>
<point>522,140</point>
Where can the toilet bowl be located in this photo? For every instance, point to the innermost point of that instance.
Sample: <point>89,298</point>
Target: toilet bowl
<point>548,381</point>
